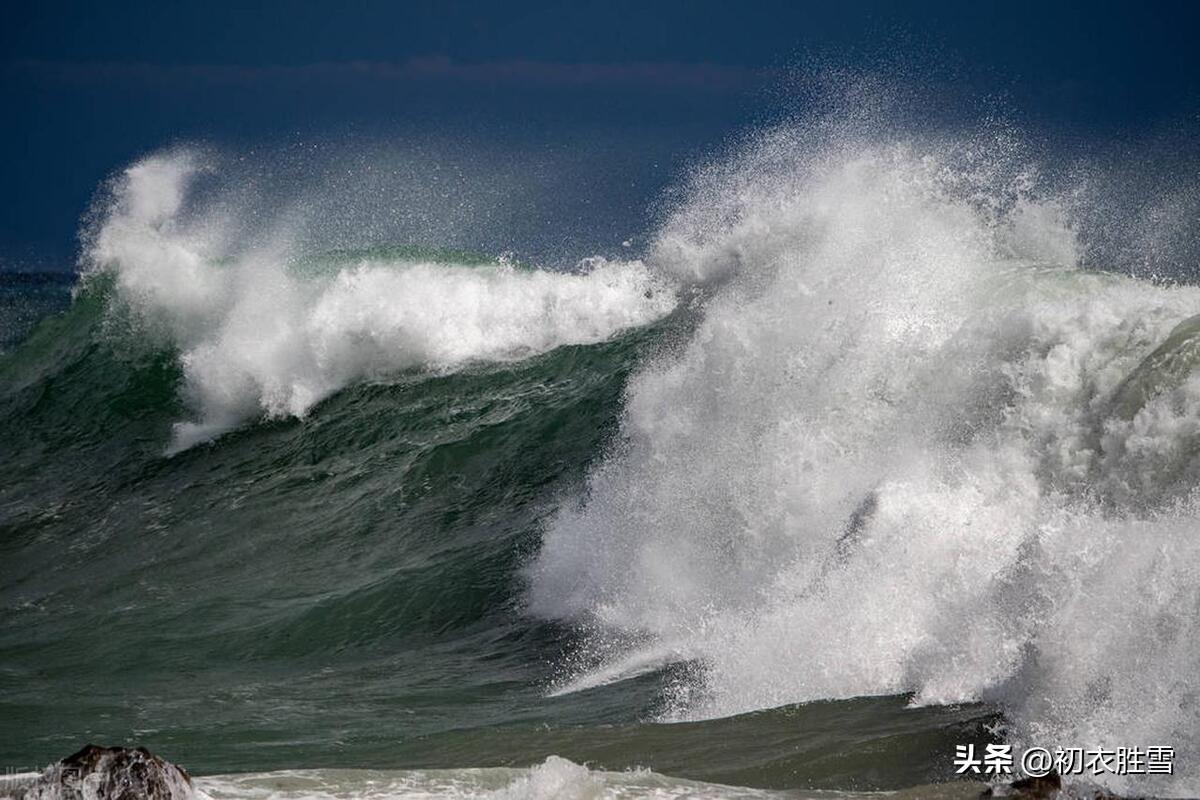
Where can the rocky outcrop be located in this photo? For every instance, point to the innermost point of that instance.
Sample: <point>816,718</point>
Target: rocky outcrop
<point>109,773</point>
<point>1036,788</point>
<point>1049,787</point>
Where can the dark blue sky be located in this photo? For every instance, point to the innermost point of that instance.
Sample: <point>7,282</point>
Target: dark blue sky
<point>633,90</point>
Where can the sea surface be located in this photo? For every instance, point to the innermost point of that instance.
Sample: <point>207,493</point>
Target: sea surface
<point>859,456</point>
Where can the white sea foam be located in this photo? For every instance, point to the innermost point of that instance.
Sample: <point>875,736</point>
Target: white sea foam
<point>259,337</point>
<point>554,779</point>
<point>888,461</point>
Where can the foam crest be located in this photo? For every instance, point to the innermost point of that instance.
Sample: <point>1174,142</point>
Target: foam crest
<point>890,459</point>
<point>258,335</point>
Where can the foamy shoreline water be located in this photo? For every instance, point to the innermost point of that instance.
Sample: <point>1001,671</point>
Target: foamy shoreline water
<point>554,779</point>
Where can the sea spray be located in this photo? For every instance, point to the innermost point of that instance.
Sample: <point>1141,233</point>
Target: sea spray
<point>258,337</point>
<point>900,440</point>
<point>887,460</point>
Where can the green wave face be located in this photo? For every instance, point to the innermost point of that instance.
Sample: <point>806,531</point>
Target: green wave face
<point>379,433</point>
<point>331,555</point>
<point>855,465</point>
<point>277,581</point>
<point>1168,366</point>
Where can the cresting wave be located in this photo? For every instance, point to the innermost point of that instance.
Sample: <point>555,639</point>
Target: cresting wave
<point>259,334</point>
<point>912,446</point>
<point>899,440</point>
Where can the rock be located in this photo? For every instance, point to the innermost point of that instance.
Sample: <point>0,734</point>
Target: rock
<point>110,773</point>
<point>1050,787</point>
<point>1037,788</point>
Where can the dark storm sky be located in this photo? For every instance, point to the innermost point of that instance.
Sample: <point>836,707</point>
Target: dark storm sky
<point>86,87</point>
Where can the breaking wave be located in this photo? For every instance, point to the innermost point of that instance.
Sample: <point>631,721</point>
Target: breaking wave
<point>873,415</point>
<point>261,333</point>
<point>913,445</point>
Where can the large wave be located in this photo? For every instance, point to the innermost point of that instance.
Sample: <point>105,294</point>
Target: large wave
<point>903,440</point>
<point>912,446</point>
<point>260,332</point>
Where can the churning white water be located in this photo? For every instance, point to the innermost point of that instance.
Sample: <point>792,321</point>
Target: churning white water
<point>554,779</point>
<point>911,445</point>
<point>900,453</point>
<point>258,336</point>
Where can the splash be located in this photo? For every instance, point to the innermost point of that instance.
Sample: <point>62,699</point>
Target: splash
<point>896,456</point>
<point>259,334</point>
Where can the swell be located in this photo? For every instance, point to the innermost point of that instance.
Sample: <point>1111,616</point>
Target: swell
<point>446,397</point>
<point>85,415</point>
<point>294,570</point>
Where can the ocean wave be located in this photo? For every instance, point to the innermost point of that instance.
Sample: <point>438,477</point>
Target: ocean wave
<point>903,451</point>
<point>886,434</point>
<point>259,335</point>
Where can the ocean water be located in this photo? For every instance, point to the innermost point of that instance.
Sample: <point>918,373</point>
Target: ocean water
<point>861,457</point>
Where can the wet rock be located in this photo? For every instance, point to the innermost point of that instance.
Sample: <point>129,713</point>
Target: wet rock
<point>1050,787</point>
<point>109,773</point>
<point>1036,788</point>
